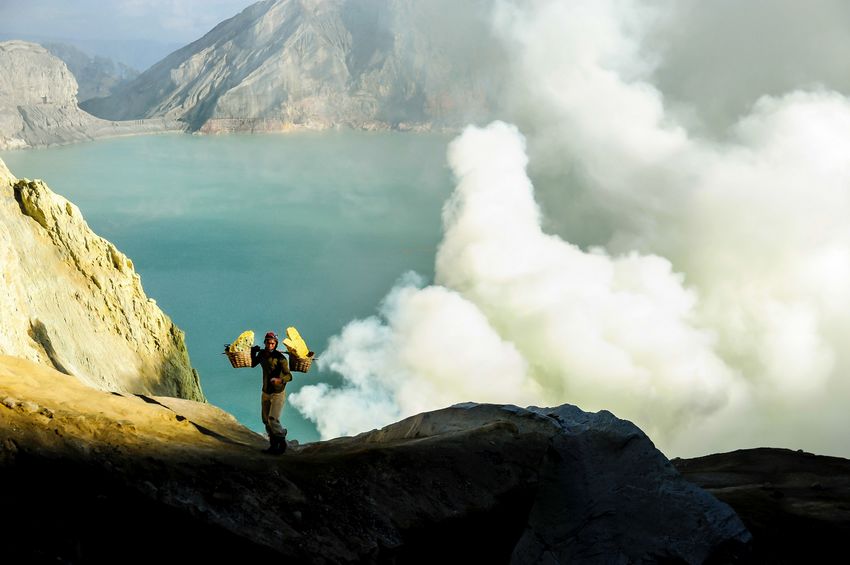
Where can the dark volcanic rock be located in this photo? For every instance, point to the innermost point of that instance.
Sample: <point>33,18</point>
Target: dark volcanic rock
<point>607,495</point>
<point>101,477</point>
<point>796,504</point>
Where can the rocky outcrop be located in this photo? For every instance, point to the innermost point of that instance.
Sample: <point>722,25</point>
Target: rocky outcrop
<point>96,76</point>
<point>38,103</point>
<point>371,64</point>
<point>71,300</point>
<point>796,504</point>
<point>470,483</point>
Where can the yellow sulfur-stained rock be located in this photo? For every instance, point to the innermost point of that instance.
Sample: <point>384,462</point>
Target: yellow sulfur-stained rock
<point>72,301</point>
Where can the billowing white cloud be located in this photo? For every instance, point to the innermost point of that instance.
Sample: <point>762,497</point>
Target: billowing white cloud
<point>427,348</point>
<point>713,309</point>
<point>519,316</point>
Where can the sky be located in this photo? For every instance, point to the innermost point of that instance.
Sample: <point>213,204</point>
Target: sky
<point>155,20</point>
<point>136,32</point>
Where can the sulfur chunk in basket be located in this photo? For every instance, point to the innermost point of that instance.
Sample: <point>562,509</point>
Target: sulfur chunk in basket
<point>294,343</point>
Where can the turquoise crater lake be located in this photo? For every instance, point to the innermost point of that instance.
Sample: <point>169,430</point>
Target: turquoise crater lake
<point>258,232</point>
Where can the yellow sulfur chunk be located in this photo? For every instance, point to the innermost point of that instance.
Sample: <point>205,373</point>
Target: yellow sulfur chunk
<point>294,343</point>
<point>243,342</point>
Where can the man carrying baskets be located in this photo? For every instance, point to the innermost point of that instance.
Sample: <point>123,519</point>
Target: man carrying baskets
<point>275,376</point>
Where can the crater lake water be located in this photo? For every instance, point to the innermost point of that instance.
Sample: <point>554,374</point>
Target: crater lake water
<point>258,232</point>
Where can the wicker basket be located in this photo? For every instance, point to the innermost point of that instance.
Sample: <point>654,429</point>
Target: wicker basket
<point>300,364</point>
<point>239,359</point>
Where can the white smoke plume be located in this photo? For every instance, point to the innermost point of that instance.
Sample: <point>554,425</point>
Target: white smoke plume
<point>713,309</point>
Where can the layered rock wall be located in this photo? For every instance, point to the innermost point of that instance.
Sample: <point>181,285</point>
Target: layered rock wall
<point>71,300</point>
<point>38,103</point>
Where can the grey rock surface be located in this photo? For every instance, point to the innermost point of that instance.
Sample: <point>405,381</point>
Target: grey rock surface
<point>38,103</point>
<point>72,301</point>
<point>281,64</point>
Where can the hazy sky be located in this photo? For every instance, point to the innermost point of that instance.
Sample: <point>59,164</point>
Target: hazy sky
<point>167,21</point>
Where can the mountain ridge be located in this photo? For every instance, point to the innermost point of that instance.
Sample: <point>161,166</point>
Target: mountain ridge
<point>283,64</point>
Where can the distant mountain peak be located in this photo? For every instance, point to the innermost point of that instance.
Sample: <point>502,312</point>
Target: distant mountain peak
<point>280,64</point>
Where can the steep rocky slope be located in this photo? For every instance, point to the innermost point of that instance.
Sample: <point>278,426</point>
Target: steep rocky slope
<point>129,475</point>
<point>70,300</point>
<point>38,102</point>
<point>319,64</point>
<point>96,76</point>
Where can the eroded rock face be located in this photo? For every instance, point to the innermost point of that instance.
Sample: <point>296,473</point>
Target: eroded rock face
<point>38,103</point>
<point>36,89</point>
<point>370,64</point>
<point>470,483</point>
<point>72,301</point>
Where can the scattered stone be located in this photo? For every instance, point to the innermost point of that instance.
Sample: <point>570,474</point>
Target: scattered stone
<point>29,406</point>
<point>126,425</point>
<point>149,489</point>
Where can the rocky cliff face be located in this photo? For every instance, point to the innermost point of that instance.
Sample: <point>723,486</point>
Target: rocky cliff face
<point>471,483</point>
<point>72,301</point>
<point>38,102</point>
<point>36,90</point>
<point>306,63</point>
